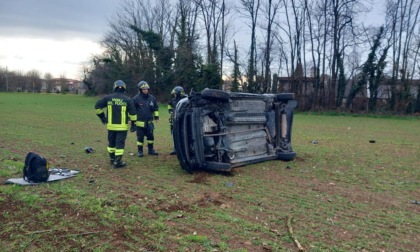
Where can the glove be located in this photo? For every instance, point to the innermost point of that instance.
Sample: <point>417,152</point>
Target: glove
<point>104,120</point>
<point>171,118</point>
<point>133,127</point>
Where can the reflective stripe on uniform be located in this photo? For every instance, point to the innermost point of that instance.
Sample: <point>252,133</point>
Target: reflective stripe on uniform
<point>111,150</point>
<point>117,127</point>
<point>132,117</point>
<point>109,114</point>
<point>140,124</point>
<point>119,152</point>
<point>123,114</point>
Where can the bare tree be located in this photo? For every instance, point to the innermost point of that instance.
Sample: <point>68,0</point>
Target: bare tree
<point>236,74</point>
<point>270,10</point>
<point>250,9</point>
<point>33,81</point>
<point>186,36</point>
<point>343,15</point>
<point>294,14</point>
<point>316,26</point>
<point>403,20</point>
<point>48,81</point>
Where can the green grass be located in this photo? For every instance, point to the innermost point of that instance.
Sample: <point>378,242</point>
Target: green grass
<point>342,192</point>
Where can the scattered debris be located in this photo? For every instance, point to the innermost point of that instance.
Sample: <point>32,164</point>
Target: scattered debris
<point>224,206</point>
<point>276,232</point>
<point>314,142</point>
<point>229,184</point>
<point>372,141</point>
<point>267,248</point>
<point>89,150</point>
<point>415,202</point>
<point>290,229</point>
<point>82,234</point>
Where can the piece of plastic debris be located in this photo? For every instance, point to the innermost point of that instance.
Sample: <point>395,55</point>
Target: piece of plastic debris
<point>314,142</point>
<point>229,184</point>
<point>89,150</point>
<point>372,141</point>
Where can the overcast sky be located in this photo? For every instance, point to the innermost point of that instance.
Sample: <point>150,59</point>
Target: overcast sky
<point>58,36</point>
<point>54,36</point>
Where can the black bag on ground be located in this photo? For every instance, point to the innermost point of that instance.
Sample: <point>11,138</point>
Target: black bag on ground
<point>36,168</point>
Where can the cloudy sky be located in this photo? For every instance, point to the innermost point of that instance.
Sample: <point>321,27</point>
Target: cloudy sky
<point>55,36</point>
<point>59,36</point>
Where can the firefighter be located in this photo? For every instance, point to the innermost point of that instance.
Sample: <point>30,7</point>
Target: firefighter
<point>147,111</point>
<point>178,94</point>
<point>119,111</point>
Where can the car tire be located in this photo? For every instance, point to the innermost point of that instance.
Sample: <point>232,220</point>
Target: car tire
<point>285,96</point>
<point>211,94</point>
<point>286,156</point>
<point>218,166</point>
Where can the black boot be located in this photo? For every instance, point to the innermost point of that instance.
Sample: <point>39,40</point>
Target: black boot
<point>151,150</point>
<point>172,152</point>
<point>112,158</point>
<point>118,163</point>
<point>140,151</point>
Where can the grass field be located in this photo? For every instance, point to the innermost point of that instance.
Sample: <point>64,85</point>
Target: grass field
<point>343,192</point>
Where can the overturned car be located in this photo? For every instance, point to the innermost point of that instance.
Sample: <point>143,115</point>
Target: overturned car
<point>217,130</point>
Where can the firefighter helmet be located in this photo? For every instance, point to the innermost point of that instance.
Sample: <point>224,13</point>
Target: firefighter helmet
<point>119,84</point>
<point>143,85</point>
<point>178,90</point>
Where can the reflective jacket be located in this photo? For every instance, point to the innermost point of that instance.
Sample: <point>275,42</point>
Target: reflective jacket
<point>119,110</point>
<point>146,107</point>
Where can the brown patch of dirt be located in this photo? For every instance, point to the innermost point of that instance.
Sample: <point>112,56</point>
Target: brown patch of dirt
<point>2,180</point>
<point>48,231</point>
<point>200,177</point>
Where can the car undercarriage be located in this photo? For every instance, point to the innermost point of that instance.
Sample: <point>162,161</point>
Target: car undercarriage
<point>218,130</point>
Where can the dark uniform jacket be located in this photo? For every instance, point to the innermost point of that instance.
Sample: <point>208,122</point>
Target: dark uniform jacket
<point>174,101</point>
<point>120,109</point>
<point>146,107</point>
<point>171,107</point>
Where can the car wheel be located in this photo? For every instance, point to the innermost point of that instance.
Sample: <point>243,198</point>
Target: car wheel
<point>210,94</point>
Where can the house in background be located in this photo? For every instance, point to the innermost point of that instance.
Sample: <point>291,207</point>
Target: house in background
<point>60,85</point>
